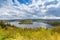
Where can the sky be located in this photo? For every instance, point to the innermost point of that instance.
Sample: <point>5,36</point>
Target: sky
<point>29,9</point>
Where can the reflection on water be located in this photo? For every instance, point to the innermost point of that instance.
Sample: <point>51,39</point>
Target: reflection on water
<point>34,25</point>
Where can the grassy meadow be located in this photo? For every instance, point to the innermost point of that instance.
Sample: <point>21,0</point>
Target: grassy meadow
<point>8,32</point>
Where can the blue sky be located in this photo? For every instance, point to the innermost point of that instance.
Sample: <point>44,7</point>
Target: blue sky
<point>29,9</point>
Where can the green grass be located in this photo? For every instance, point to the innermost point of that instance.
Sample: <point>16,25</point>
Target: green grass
<point>13,33</point>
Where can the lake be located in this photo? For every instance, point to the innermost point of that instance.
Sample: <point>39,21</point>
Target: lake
<point>34,25</point>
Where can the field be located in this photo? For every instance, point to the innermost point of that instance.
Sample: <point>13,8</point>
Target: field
<point>8,32</point>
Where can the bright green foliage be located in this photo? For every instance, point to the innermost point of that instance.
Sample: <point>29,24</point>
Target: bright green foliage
<point>13,33</point>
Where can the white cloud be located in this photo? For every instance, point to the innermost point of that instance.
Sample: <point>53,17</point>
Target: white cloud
<point>35,10</point>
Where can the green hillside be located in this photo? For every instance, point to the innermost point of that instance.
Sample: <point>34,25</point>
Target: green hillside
<point>8,32</point>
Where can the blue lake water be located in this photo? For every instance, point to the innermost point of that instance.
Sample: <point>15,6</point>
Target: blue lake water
<point>34,25</point>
